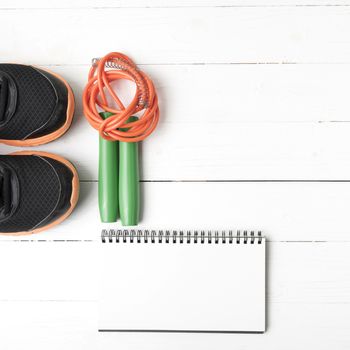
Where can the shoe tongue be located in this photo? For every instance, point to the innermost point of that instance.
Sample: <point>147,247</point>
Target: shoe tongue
<point>5,193</point>
<point>4,87</point>
<point>1,197</point>
<point>8,98</point>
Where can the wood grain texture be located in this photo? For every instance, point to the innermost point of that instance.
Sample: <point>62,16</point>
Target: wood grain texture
<point>48,325</point>
<point>238,92</point>
<point>15,4</point>
<point>251,122</point>
<point>70,325</point>
<point>307,292</point>
<point>302,326</point>
<point>308,295</point>
<point>283,211</point>
<point>223,151</point>
<point>44,271</point>
<point>252,92</point>
<point>201,35</point>
<point>298,273</point>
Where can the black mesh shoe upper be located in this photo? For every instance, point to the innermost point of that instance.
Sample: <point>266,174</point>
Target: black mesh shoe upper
<point>34,191</point>
<point>33,102</point>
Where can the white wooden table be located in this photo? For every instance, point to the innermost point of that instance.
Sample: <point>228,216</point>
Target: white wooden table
<point>254,134</point>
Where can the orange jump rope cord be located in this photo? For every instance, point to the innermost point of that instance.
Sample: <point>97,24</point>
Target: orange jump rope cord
<point>145,100</point>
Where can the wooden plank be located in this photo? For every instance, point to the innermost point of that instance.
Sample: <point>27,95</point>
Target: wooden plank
<point>300,272</point>
<point>223,151</point>
<point>47,271</point>
<point>165,3</point>
<point>283,211</point>
<point>308,273</point>
<point>238,93</point>
<point>271,34</point>
<point>48,325</point>
<point>291,326</point>
<point>225,136</point>
<point>308,279</point>
<point>305,279</point>
<point>72,325</point>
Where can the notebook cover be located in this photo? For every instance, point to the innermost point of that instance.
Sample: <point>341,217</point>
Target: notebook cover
<point>216,287</point>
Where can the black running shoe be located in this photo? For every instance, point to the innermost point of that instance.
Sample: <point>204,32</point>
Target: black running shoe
<point>36,106</point>
<point>38,190</point>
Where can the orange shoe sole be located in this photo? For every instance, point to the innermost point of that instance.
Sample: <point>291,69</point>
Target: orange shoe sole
<point>56,134</point>
<point>73,199</point>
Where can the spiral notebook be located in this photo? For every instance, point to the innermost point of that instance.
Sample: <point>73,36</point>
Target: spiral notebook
<point>190,281</point>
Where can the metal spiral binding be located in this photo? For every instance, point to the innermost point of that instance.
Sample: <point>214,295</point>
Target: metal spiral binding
<point>181,237</point>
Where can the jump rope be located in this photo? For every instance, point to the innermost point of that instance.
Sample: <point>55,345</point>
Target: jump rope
<point>120,128</point>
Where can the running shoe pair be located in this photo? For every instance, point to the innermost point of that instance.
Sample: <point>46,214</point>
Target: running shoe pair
<point>37,190</point>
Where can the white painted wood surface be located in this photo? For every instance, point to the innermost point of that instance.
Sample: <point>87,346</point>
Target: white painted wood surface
<point>209,122</point>
<point>285,211</point>
<point>18,4</point>
<point>254,134</point>
<point>196,35</point>
<point>48,324</point>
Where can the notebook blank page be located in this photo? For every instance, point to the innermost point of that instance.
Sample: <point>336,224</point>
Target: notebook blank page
<point>198,287</point>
